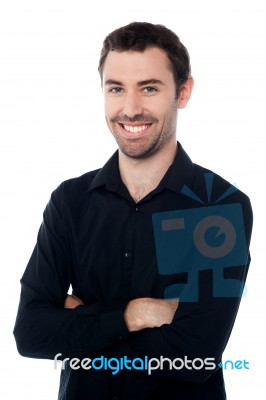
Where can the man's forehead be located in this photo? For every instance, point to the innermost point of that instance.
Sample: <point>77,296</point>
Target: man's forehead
<point>150,64</point>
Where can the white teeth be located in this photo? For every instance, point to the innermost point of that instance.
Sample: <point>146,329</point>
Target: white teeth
<point>135,129</point>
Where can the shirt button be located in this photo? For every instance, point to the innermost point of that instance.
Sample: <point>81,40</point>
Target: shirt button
<point>136,209</point>
<point>128,254</point>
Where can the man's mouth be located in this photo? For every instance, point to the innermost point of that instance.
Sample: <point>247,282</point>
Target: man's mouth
<point>135,128</point>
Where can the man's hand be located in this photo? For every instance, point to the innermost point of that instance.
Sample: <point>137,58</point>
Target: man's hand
<point>72,301</point>
<point>149,313</point>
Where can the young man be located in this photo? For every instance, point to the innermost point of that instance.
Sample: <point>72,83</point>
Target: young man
<point>154,246</point>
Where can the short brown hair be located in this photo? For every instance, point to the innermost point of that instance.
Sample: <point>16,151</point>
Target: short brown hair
<point>138,36</point>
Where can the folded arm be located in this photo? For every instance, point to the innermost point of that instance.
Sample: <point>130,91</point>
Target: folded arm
<point>43,326</point>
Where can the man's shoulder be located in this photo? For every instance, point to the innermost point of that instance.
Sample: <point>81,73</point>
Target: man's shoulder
<point>81,182</point>
<point>77,186</point>
<point>215,189</point>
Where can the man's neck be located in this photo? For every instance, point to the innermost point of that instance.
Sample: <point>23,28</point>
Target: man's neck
<point>141,176</point>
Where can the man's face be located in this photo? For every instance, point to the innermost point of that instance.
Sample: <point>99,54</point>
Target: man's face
<point>140,100</point>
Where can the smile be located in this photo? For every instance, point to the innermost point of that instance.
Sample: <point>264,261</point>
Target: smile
<point>135,128</point>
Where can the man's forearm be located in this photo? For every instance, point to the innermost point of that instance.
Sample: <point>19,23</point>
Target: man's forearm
<point>140,313</point>
<point>72,301</point>
<point>149,313</point>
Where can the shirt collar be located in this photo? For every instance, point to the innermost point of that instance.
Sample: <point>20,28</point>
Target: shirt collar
<point>179,173</point>
<point>108,175</point>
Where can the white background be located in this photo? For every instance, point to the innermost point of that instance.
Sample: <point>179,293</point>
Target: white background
<point>52,128</point>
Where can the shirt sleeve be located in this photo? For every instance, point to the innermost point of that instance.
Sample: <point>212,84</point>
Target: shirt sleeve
<point>43,327</point>
<point>199,329</point>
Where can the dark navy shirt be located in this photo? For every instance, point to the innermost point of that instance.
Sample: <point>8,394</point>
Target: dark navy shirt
<point>95,238</point>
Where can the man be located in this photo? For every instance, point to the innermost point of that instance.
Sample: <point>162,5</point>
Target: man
<point>114,233</point>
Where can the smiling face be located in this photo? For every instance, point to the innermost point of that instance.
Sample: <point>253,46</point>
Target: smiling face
<point>140,101</point>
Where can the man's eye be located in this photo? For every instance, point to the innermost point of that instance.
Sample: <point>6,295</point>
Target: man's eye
<point>115,90</point>
<point>149,89</point>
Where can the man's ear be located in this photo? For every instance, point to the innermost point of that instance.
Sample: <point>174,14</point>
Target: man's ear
<point>185,93</point>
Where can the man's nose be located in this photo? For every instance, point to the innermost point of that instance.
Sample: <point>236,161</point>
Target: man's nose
<point>132,105</point>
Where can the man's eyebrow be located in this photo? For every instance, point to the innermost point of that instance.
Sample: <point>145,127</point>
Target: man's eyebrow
<point>150,82</point>
<point>113,82</point>
<point>141,83</point>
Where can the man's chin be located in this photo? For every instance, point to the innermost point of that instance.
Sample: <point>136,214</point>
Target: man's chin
<point>138,154</point>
